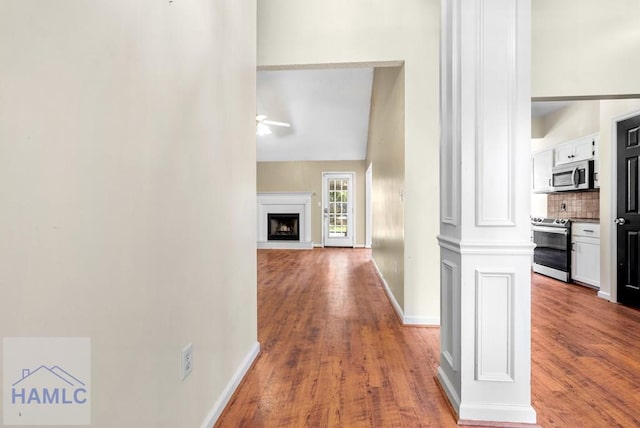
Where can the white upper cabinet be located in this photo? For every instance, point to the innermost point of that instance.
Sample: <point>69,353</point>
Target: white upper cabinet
<point>542,167</point>
<point>584,148</point>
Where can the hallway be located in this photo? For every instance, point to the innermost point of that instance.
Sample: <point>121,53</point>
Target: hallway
<point>334,353</point>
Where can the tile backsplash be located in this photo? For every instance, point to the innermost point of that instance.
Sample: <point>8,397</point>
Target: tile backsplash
<point>574,205</point>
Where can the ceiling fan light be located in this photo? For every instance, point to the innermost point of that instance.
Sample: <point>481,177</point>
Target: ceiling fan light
<point>262,129</point>
<point>273,122</point>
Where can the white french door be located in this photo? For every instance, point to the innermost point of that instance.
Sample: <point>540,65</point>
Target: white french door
<point>338,196</point>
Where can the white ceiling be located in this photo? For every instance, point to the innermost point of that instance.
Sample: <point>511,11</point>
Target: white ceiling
<point>328,111</point>
<point>543,108</point>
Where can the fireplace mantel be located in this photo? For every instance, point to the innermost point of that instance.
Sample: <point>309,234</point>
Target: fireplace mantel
<point>283,203</point>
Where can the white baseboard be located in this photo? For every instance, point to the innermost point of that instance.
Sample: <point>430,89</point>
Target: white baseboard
<point>486,414</point>
<point>422,321</point>
<point>387,290</point>
<point>222,401</point>
<point>450,390</point>
<point>603,295</point>
<point>405,319</point>
<point>495,414</point>
<point>359,246</point>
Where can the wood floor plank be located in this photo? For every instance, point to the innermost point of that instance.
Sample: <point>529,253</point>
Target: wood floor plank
<point>335,355</point>
<point>585,358</point>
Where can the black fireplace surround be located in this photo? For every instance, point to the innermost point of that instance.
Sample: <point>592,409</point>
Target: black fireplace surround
<point>283,227</point>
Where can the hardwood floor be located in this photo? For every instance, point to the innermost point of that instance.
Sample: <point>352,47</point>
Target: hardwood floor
<point>585,358</point>
<point>335,355</point>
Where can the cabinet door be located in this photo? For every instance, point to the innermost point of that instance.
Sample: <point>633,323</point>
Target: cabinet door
<point>564,154</point>
<point>542,169</point>
<point>583,149</point>
<point>585,266</point>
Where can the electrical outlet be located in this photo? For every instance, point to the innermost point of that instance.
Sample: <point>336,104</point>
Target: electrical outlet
<point>186,360</point>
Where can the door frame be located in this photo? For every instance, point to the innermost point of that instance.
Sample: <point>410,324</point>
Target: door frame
<point>351,202</point>
<point>613,242</point>
<point>368,206</point>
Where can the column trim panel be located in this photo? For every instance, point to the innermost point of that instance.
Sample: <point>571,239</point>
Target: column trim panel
<point>486,248</point>
<point>495,343</point>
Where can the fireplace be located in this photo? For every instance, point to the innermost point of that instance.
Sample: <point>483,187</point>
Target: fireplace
<point>283,227</point>
<point>284,205</point>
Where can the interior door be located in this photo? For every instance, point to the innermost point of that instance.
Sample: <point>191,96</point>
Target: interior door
<point>628,218</point>
<point>338,197</point>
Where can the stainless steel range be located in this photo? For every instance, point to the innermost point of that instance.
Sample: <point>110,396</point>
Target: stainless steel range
<point>552,254</point>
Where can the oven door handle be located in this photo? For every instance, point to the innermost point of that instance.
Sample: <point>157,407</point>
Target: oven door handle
<point>556,230</point>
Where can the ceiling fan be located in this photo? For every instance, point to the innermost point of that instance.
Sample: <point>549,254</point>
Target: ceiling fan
<point>262,125</point>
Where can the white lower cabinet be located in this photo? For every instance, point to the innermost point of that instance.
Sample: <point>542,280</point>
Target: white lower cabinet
<point>585,253</point>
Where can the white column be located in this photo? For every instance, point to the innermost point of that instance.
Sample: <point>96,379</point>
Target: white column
<point>485,248</point>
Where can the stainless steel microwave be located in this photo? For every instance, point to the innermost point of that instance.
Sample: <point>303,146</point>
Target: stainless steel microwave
<point>573,176</point>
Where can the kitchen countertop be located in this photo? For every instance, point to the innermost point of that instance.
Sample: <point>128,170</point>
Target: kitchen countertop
<point>586,220</point>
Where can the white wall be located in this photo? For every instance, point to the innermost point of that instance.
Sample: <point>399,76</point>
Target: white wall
<point>291,32</point>
<point>385,150</point>
<point>585,47</point>
<point>576,120</point>
<point>123,126</point>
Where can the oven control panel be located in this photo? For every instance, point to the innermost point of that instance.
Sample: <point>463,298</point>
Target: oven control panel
<point>554,222</point>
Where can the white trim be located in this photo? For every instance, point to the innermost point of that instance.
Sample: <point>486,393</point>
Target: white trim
<point>496,413</point>
<point>231,387</point>
<point>482,248</point>
<point>450,308</point>
<point>421,321</point>
<point>331,65</point>
<point>603,295</point>
<point>368,206</point>
<point>450,123</point>
<point>488,309</point>
<point>392,298</point>
<point>449,389</point>
<point>510,95</point>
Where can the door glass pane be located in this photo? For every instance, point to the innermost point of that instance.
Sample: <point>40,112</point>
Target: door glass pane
<point>338,197</point>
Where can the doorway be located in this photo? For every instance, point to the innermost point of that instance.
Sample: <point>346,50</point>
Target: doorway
<point>338,211</point>
<point>628,211</point>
